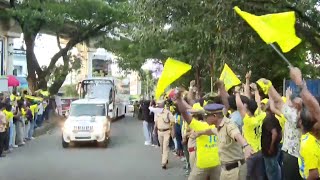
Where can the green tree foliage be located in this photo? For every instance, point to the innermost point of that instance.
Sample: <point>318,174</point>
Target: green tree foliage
<point>207,34</point>
<point>76,20</point>
<point>70,90</point>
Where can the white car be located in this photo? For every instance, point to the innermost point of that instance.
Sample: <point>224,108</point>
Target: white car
<point>87,121</point>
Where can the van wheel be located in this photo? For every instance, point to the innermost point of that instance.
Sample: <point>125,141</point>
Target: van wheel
<point>64,144</point>
<point>117,115</point>
<point>104,144</point>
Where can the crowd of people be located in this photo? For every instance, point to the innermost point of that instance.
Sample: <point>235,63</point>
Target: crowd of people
<point>249,131</point>
<point>19,117</point>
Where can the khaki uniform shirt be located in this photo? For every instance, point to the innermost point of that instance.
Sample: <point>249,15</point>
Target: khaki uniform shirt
<point>229,149</point>
<point>192,140</point>
<point>3,122</point>
<point>164,119</point>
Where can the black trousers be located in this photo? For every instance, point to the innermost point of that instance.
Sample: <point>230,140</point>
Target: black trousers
<point>290,167</point>
<point>2,137</point>
<point>7,139</point>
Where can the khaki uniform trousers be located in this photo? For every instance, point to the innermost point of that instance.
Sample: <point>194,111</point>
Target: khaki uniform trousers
<point>202,174</point>
<point>192,159</point>
<point>239,173</point>
<point>164,139</point>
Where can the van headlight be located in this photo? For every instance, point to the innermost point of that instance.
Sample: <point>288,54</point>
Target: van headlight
<point>67,127</point>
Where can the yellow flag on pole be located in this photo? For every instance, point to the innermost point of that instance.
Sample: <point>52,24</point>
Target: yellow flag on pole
<point>229,78</point>
<point>172,70</point>
<point>272,28</point>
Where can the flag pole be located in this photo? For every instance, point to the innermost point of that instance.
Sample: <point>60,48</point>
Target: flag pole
<point>281,55</point>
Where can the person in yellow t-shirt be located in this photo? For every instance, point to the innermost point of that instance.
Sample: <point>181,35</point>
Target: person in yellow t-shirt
<point>33,109</point>
<point>9,118</point>
<point>309,160</point>
<point>207,160</point>
<point>253,118</point>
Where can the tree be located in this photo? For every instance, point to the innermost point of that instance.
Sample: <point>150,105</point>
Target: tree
<point>77,20</point>
<point>207,34</point>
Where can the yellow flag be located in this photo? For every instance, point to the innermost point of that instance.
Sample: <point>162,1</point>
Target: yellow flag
<point>272,28</point>
<point>172,70</point>
<point>229,78</point>
<point>33,98</point>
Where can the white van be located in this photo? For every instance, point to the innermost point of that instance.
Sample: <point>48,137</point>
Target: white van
<point>87,120</point>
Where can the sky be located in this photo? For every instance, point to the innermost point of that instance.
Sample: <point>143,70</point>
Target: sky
<point>45,48</point>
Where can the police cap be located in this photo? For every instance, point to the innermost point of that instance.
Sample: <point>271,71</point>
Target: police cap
<point>213,108</point>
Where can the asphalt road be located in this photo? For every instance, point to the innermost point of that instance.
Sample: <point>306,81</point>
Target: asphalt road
<point>125,158</point>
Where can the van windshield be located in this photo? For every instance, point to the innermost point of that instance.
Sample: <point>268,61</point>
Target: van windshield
<point>87,110</point>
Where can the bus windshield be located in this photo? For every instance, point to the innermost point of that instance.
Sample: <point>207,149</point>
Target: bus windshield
<point>97,88</point>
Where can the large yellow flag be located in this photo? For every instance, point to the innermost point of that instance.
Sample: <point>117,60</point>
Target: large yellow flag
<point>229,78</point>
<point>172,70</point>
<point>272,28</point>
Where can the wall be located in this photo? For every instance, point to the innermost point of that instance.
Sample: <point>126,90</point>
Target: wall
<point>20,63</point>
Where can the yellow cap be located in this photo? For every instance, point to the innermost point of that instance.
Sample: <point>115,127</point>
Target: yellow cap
<point>264,87</point>
<point>196,108</point>
<point>265,101</point>
<point>284,99</point>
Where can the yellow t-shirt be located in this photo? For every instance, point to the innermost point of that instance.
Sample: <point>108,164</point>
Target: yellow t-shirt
<point>23,113</point>
<point>252,130</point>
<point>207,147</point>
<point>9,117</point>
<point>309,155</point>
<point>282,120</point>
<point>33,109</point>
<point>178,118</point>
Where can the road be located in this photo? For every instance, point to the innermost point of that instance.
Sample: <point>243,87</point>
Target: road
<point>125,158</point>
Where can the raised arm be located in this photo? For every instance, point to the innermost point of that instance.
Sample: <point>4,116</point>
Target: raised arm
<point>273,108</point>
<point>192,92</point>
<point>223,94</point>
<point>247,85</point>
<point>273,94</point>
<point>183,107</point>
<point>239,103</point>
<point>309,101</point>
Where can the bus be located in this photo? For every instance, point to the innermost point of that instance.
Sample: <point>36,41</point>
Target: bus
<point>109,88</point>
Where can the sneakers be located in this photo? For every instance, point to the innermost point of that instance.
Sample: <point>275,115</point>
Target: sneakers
<point>147,143</point>
<point>32,138</point>
<point>15,146</point>
<point>2,155</point>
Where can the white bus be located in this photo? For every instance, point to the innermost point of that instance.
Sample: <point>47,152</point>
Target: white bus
<point>108,88</point>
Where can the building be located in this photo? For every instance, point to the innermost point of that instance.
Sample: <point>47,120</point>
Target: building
<point>135,84</point>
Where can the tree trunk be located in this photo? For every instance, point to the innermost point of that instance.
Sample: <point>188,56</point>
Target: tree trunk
<point>58,82</point>
<point>198,80</point>
<point>212,65</point>
<point>32,77</point>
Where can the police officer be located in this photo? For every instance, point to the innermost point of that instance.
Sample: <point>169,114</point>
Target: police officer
<point>230,143</point>
<point>231,158</point>
<point>207,161</point>
<point>163,124</point>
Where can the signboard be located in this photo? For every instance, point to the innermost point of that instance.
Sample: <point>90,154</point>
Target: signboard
<point>96,81</point>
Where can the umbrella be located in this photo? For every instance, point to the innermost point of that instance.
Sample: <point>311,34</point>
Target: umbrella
<point>13,81</point>
<point>23,82</point>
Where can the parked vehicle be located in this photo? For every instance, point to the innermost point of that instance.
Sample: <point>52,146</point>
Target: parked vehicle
<point>66,102</point>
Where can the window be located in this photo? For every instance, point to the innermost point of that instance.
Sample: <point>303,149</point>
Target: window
<point>17,70</point>
<point>88,110</point>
